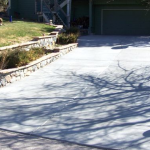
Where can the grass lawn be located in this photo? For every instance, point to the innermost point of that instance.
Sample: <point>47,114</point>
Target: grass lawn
<point>21,31</point>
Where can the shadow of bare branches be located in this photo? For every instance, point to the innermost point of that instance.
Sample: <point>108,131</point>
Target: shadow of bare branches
<point>107,110</point>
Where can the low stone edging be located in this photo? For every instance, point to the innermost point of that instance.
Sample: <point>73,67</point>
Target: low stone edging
<point>8,76</point>
<point>47,42</point>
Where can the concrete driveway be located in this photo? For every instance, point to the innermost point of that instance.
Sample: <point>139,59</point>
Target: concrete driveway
<point>98,94</point>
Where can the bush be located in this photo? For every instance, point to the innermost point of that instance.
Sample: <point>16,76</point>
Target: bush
<point>67,38</point>
<point>3,60</point>
<point>73,30</point>
<point>70,36</point>
<point>18,57</point>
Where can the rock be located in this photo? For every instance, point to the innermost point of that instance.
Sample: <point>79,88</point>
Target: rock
<point>34,68</point>
<point>29,69</point>
<point>27,73</point>
<point>8,78</point>
<point>38,65</point>
<point>22,75</point>
<point>13,74</point>
<point>13,79</point>
<point>3,82</point>
<point>17,73</point>
<point>26,49</point>
<point>25,70</point>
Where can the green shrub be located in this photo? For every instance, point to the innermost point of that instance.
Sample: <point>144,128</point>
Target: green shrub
<point>19,57</point>
<point>70,36</point>
<point>35,53</point>
<point>3,60</point>
<point>73,30</point>
<point>67,38</point>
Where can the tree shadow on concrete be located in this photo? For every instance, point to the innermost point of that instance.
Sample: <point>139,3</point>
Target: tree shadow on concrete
<point>116,42</point>
<point>146,134</point>
<point>12,140</point>
<point>108,110</point>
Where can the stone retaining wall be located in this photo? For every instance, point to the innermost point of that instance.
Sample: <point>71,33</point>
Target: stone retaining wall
<point>8,76</point>
<point>47,42</point>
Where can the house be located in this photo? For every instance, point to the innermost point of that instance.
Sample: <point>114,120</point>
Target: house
<point>105,17</point>
<point>42,10</point>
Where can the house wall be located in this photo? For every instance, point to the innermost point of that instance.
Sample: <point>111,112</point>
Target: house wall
<point>98,6</point>
<point>14,7</point>
<point>114,2</point>
<point>79,8</point>
<point>24,9</point>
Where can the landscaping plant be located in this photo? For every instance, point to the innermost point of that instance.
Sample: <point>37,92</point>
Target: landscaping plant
<point>73,30</point>
<point>66,38</point>
<point>3,59</point>
<point>19,57</point>
<point>70,36</point>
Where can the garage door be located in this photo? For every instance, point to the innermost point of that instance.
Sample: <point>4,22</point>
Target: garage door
<point>125,22</point>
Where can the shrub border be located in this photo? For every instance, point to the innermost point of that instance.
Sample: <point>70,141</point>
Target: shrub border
<point>8,76</point>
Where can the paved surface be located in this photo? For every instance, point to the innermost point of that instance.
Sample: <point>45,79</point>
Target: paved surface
<point>98,94</point>
<point>17,141</point>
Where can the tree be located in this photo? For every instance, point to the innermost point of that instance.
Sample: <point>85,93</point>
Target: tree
<point>3,3</point>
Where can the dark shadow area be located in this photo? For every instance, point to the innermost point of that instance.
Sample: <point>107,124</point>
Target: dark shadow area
<point>119,47</point>
<point>114,41</point>
<point>146,134</point>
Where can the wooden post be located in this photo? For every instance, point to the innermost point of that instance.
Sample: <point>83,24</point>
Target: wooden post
<point>68,13</point>
<point>55,5</point>
<point>90,16</point>
<point>41,5</point>
<point>9,7</point>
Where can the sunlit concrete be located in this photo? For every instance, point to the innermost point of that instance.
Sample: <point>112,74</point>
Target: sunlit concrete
<point>98,94</point>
